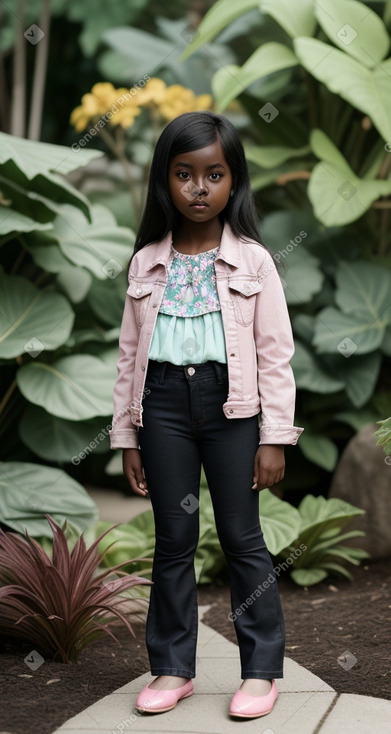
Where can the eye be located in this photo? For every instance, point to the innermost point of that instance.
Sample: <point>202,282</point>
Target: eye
<point>220,175</point>
<point>180,174</point>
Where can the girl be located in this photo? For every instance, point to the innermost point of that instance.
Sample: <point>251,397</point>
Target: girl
<point>205,345</point>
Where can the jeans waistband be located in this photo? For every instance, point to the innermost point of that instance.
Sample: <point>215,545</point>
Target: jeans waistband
<point>192,372</point>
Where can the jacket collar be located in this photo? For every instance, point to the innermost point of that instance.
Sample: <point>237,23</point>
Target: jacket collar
<point>229,249</point>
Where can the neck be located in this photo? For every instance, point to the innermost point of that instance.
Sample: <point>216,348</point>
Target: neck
<point>194,237</point>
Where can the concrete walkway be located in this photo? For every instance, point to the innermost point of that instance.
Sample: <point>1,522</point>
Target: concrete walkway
<point>306,704</point>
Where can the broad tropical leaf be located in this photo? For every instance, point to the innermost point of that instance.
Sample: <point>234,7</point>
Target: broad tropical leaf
<point>31,320</point>
<point>355,28</point>
<point>77,387</point>
<point>29,491</point>
<point>365,89</point>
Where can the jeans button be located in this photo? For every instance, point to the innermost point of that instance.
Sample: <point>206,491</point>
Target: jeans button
<point>190,371</point>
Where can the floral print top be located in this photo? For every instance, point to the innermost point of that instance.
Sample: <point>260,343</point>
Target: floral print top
<point>191,284</point>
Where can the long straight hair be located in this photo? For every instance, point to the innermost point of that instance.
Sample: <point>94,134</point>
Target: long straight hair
<point>187,132</point>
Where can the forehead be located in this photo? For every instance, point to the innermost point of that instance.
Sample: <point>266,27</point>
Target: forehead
<point>213,153</point>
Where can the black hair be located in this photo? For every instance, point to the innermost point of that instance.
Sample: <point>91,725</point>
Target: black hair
<point>187,132</point>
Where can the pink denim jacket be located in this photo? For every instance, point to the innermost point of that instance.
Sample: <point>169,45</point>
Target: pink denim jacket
<point>258,336</point>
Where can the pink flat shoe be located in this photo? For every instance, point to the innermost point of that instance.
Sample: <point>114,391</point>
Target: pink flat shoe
<point>154,701</point>
<point>247,706</point>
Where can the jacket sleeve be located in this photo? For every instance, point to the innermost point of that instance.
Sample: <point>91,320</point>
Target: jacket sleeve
<point>275,348</point>
<point>123,433</point>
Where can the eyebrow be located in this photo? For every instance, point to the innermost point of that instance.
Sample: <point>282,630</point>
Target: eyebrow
<point>188,165</point>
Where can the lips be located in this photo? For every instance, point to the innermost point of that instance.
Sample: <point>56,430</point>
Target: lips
<point>199,203</point>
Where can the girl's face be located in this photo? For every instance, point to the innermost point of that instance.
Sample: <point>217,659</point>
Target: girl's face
<point>202,175</point>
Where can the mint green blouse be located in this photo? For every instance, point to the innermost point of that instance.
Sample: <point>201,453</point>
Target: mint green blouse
<point>189,327</point>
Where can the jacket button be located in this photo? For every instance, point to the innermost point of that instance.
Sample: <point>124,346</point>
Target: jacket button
<point>139,291</point>
<point>232,355</point>
<point>230,410</point>
<point>154,305</point>
<point>143,367</point>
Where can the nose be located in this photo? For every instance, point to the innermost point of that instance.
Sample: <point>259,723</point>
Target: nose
<point>200,188</point>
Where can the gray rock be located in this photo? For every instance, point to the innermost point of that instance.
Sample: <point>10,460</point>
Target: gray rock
<point>363,478</point>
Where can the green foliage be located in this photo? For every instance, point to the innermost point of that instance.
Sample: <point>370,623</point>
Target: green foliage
<point>321,540</point>
<point>383,436</point>
<point>29,491</point>
<point>315,526</point>
<point>59,605</point>
<point>62,280</point>
<point>316,90</point>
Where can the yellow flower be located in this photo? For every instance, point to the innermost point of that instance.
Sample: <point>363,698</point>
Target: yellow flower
<point>153,93</point>
<point>203,102</point>
<point>104,94</point>
<point>125,116</point>
<point>122,106</point>
<point>79,119</point>
<point>180,99</point>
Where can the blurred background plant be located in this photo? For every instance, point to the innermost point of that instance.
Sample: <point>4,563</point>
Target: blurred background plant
<point>120,107</point>
<point>308,91</point>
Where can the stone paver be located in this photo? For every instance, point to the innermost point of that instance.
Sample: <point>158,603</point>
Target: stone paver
<point>354,714</point>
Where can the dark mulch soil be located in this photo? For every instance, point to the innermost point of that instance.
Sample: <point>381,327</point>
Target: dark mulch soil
<point>322,623</point>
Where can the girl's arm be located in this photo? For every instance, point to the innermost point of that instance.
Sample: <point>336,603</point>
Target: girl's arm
<point>275,347</point>
<point>123,433</point>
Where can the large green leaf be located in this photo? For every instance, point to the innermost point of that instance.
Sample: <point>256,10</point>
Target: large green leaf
<point>75,282</point>
<point>336,331</point>
<point>40,198</point>
<point>319,449</point>
<point>33,157</point>
<point>286,234</point>
<point>56,439</point>
<point>29,491</point>
<point>355,28</point>
<point>77,387</point>
<point>310,374</point>
<point>363,292</point>
<point>107,298</point>
<point>101,246</point>
<point>270,156</point>
<point>215,20</point>
<point>13,221</point>
<point>98,15</point>
<point>336,193</point>
<point>31,320</point>
<point>365,89</point>
<point>325,513</point>
<point>303,277</point>
<point>308,576</point>
<point>365,288</point>
<point>360,375</point>
<point>230,81</point>
<point>280,521</point>
<point>134,52</point>
<point>297,19</point>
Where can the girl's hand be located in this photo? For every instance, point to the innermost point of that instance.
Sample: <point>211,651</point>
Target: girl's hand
<point>134,472</point>
<point>269,466</point>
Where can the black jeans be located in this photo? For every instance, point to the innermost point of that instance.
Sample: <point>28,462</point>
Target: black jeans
<point>184,426</point>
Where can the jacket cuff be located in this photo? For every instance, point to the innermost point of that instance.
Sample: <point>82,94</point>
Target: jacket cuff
<point>275,433</point>
<point>124,438</point>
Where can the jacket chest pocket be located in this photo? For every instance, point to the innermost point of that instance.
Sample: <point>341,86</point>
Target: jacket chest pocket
<point>140,292</point>
<point>242,296</point>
